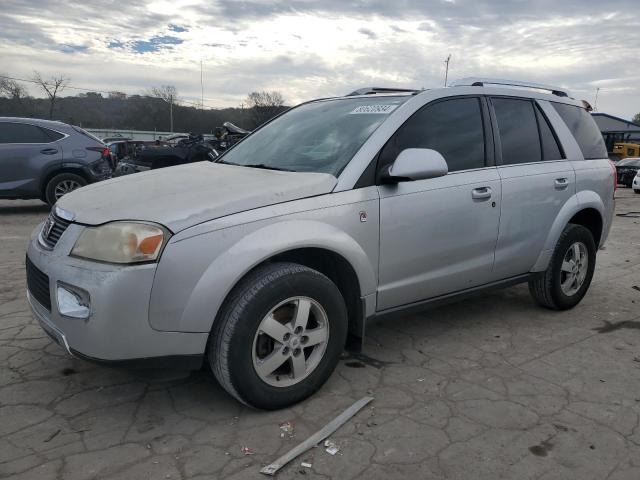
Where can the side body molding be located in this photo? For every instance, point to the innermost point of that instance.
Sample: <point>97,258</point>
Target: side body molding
<point>580,201</point>
<point>189,289</point>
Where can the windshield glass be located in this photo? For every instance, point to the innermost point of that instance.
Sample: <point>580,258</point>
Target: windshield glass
<point>629,161</point>
<point>316,137</point>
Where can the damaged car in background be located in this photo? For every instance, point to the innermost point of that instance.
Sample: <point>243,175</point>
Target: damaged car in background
<point>188,149</point>
<point>266,263</point>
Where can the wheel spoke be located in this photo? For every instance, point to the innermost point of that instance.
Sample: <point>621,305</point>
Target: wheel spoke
<point>568,282</point>
<point>299,365</point>
<point>576,252</point>
<point>302,314</point>
<point>567,266</point>
<point>274,329</point>
<point>315,336</point>
<point>269,364</point>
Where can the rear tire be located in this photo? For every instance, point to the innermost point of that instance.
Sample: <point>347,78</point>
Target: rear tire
<point>257,326</point>
<point>569,274</point>
<point>62,184</point>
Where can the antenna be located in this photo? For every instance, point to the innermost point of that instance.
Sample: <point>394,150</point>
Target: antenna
<point>446,71</point>
<point>595,104</point>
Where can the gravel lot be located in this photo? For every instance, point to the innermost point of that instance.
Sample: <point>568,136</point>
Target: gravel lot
<point>492,387</point>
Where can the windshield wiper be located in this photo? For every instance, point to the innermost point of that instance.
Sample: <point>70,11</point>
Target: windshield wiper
<point>268,167</point>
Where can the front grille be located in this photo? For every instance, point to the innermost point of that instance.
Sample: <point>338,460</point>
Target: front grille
<point>53,229</point>
<point>38,284</point>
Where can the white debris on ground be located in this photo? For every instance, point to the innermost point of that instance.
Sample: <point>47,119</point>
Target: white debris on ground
<point>330,447</point>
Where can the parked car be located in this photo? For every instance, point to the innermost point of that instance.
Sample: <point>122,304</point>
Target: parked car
<point>341,210</point>
<point>46,160</point>
<point>636,183</point>
<point>190,149</point>
<point>627,169</point>
<point>227,136</point>
<point>125,150</point>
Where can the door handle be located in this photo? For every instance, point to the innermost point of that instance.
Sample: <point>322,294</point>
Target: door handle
<point>561,183</point>
<point>49,151</point>
<point>481,193</point>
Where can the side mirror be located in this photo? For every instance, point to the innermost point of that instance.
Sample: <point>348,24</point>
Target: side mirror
<point>416,164</point>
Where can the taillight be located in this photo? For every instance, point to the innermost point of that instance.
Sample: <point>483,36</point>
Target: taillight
<point>103,150</point>
<point>615,176</point>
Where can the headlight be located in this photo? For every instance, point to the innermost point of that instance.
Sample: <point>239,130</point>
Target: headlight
<point>121,242</point>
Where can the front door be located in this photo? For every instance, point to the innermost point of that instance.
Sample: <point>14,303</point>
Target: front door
<point>438,236</point>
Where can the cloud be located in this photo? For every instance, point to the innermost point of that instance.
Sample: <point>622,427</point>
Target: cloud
<point>313,48</point>
<point>368,33</point>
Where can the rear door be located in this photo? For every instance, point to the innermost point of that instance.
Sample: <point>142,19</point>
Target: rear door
<point>438,235</point>
<point>26,151</point>
<point>537,180</point>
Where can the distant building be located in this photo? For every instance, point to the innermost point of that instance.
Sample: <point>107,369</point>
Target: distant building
<point>118,95</point>
<point>616,129</point>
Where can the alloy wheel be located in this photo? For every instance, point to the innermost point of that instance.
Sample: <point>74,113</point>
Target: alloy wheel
<point>290,341</point>
<point>65,187</point>
<point>573,271</point>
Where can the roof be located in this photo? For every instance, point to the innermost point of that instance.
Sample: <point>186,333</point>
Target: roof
<point>609,123</point>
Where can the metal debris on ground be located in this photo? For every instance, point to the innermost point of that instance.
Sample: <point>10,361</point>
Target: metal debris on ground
<point>330,447</point>
<point>629,214</point>
<point>247,451</point>
<point>317,437</point>
<point>306,465</point>
<point>286,428</point>
<point>636,287</point>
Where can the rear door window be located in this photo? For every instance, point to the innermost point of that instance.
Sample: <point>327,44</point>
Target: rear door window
<point>22,133</point>
<point>550,147</point>
<point>454,128</point>
<point>518,130</point>
<point>53,135</point>
<point>584,130</point>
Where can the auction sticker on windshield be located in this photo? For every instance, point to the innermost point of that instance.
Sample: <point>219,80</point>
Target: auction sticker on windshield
<point>384,109</point>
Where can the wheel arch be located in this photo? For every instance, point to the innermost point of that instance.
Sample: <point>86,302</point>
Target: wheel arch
<point>57,171</point>
<point>585,208</point>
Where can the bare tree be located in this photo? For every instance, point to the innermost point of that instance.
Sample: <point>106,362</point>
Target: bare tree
<point>10,88</point>
<point>52,87</point>
<point>264,105</point>
<point>169,94</point>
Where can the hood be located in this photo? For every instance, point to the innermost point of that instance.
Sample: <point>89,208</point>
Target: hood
<point>182,196</point>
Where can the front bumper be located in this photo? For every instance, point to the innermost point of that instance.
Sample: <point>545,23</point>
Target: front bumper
<point>117,329</point>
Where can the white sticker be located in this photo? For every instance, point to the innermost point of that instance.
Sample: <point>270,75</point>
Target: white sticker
<point>384,109</point>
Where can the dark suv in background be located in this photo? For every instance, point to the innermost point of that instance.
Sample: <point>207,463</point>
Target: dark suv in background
<point>46,159</point>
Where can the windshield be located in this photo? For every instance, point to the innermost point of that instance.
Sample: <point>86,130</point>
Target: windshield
<point>633,162</point>
<point>315,137</point>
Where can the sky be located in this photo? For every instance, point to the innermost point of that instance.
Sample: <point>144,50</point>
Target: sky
<point>310,48</point>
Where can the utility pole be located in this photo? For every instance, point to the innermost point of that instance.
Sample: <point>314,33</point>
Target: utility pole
<point>201,88</point>
<point>595,104</point>
<point>171,113</point>
<point>446,71</point>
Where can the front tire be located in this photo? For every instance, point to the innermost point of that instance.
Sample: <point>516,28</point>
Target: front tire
<point>569,274</point>
<point>278,336</point>
<point>62,184</point>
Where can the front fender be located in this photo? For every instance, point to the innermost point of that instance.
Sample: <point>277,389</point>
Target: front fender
<point>580,201</point>
<point>186,306</point>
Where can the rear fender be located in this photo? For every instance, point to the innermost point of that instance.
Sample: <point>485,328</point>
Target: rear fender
<point>580,201</point>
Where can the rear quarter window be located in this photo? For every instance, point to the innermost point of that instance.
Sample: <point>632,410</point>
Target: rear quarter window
<point>584,130</point>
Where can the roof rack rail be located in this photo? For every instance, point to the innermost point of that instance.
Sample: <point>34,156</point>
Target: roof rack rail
<point>373,90</point>
<point>479,82</point>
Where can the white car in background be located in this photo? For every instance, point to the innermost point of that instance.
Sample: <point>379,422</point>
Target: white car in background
<point>636,183</point>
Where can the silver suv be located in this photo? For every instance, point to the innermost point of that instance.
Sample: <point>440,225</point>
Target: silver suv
<point>268,262</point>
